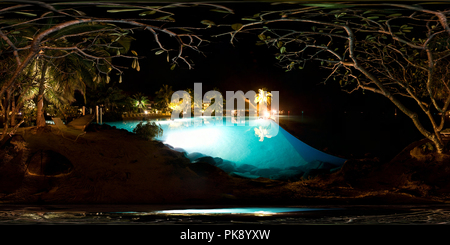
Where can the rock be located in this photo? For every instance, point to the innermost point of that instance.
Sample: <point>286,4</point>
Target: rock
<point>227,166</point>
<point>245,168</point>
<point>218,160</point>
<point>49,163</point>
<point>171,153</point>
<point>265,172</point>
<point>288,175</point>
<point>207,159</point>
<point>194,155</point>
<point>245,175</point>
<point>181,150</point>
<point>296,168</point>
<point>317,165</point>
<point>179,161</point>
<point>312,165</point>
<point>334,170</point>
<point>203,168</point>
<point>315,172</point>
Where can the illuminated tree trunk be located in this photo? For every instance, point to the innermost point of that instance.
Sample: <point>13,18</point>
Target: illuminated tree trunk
<point>40,120</point>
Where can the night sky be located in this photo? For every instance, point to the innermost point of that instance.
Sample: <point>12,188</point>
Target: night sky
<point>244,66</point>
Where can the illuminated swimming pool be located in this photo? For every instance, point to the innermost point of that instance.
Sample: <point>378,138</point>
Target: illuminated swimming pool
<point>251,147</point>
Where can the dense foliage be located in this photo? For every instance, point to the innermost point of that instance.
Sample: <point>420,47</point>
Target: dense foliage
<point>148,130</point>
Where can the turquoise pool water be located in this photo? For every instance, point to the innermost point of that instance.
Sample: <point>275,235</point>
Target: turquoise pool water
<point>251,147</point>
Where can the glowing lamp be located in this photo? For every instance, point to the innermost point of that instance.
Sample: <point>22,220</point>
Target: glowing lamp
<point>267,114</point>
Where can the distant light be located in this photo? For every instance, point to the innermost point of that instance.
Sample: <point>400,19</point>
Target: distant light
<point>267,114</point>
<point>146,112</point>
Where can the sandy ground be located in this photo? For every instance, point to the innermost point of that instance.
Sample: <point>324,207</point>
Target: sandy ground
<point>111,166</point>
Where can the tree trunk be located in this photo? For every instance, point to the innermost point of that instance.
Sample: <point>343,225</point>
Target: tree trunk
<point>438,143</point>
<point>13,111</point>
<point>40,120</point>
<point>435,138</point>
<point>6,106</point>
<point>2,105</point>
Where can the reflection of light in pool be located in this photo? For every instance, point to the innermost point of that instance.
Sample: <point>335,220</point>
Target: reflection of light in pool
<point>258,142</point>
<point>256,211</point>
<point>197,136</point>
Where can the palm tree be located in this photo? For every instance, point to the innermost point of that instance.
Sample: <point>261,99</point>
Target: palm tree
<point>114,99</point>
<point>195,102</point>
<point>141,101</point>
<point>55,82</point>
<point>59,73</point>
<point>263,97</point>
<point>164,96</point>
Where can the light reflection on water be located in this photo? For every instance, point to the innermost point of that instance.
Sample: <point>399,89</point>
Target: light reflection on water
<point>257,148</point>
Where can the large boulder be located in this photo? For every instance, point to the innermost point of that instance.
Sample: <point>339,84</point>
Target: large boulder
<point>227,166</point>
<point>245,175</point>
<point>181,150</point>
<point>245,168</point>
<point>218,160</point>
<point>194,155</point>
<point>49,163</point>
<point>206,159</point>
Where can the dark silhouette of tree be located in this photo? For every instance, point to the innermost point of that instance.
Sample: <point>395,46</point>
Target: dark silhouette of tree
<point>396,50</point>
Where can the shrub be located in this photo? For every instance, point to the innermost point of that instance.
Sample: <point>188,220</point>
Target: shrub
<point>148,131</point>
<point>428,147</point>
